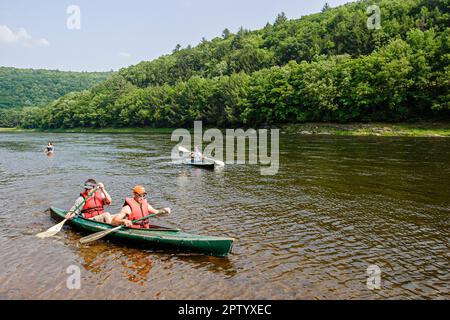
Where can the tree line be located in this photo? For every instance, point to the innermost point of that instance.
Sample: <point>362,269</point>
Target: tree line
<point>323,67</point>
<point>28,87</point>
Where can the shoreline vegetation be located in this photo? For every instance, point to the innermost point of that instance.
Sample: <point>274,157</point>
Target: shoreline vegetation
<point>420,129</point>
<point>38,87</point>
<point>327,67</point>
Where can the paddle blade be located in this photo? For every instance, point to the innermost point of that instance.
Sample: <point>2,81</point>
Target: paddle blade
<point>182,149</point>
<point>98,235</point>
<point>218,162</point>
<point>52,231</point>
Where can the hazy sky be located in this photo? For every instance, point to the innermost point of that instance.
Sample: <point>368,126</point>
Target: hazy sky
<point>116,34</point>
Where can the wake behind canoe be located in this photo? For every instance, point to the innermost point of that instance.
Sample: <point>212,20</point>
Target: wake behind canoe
<point>156,238</point>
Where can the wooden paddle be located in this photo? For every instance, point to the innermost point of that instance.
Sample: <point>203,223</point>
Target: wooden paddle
<point>57,228</point>
<point>218,162</point>
<point>101,234</point>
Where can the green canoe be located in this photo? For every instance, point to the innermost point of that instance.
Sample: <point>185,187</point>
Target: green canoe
<point>200,164</point>
<point>155,238</point>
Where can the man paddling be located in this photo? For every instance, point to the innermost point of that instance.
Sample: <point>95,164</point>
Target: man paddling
<point>94,207</point>
<point>136,208</point>
<point>196,155</point>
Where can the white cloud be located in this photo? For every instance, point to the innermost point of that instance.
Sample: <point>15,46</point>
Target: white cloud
<point>42,42</point>
<point>21,36</point>
<point>125,55</point>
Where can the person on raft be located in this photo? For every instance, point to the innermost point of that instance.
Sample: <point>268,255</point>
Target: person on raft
<point>196,155</point>
<point>136,208</point>
<point>50,148</point>
<point>94,206</point>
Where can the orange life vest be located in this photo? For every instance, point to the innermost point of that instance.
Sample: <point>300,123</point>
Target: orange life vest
<point>94,205</point>
<point>138,211</point>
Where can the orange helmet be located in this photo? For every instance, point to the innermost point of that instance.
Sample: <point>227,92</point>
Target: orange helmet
<point>139,190</point>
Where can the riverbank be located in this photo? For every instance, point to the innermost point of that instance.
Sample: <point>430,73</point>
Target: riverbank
<point>422,129</point>
<point>92,130</point>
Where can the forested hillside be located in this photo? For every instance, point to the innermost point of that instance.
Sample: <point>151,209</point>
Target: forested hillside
<point>28,87</point>
<point>324,67</point>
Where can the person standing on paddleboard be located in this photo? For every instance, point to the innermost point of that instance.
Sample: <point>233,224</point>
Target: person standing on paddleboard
<point>136,208</point>
<point>93,209</point>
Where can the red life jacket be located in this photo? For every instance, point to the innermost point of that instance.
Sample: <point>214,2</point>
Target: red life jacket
<point>138,211</point>
<point>94,205</point>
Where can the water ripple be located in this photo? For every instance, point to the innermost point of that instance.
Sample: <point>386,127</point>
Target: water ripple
<point>338,205</point>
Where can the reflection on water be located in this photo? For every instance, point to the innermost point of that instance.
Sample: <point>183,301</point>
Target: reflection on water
<point>337,205</point>
<point>136,264</point>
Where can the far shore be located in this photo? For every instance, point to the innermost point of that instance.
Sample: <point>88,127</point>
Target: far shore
<point>419,129</point>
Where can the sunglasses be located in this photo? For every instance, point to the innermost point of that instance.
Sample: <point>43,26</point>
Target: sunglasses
<point>141,195</point>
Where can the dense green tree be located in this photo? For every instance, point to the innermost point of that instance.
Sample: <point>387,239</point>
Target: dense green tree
<point>326,7</point>
<point>226,33</point>
<point>323,67</point>
<point>27,87</point>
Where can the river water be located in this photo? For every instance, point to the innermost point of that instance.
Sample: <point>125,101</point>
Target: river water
<point>337,206</point>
